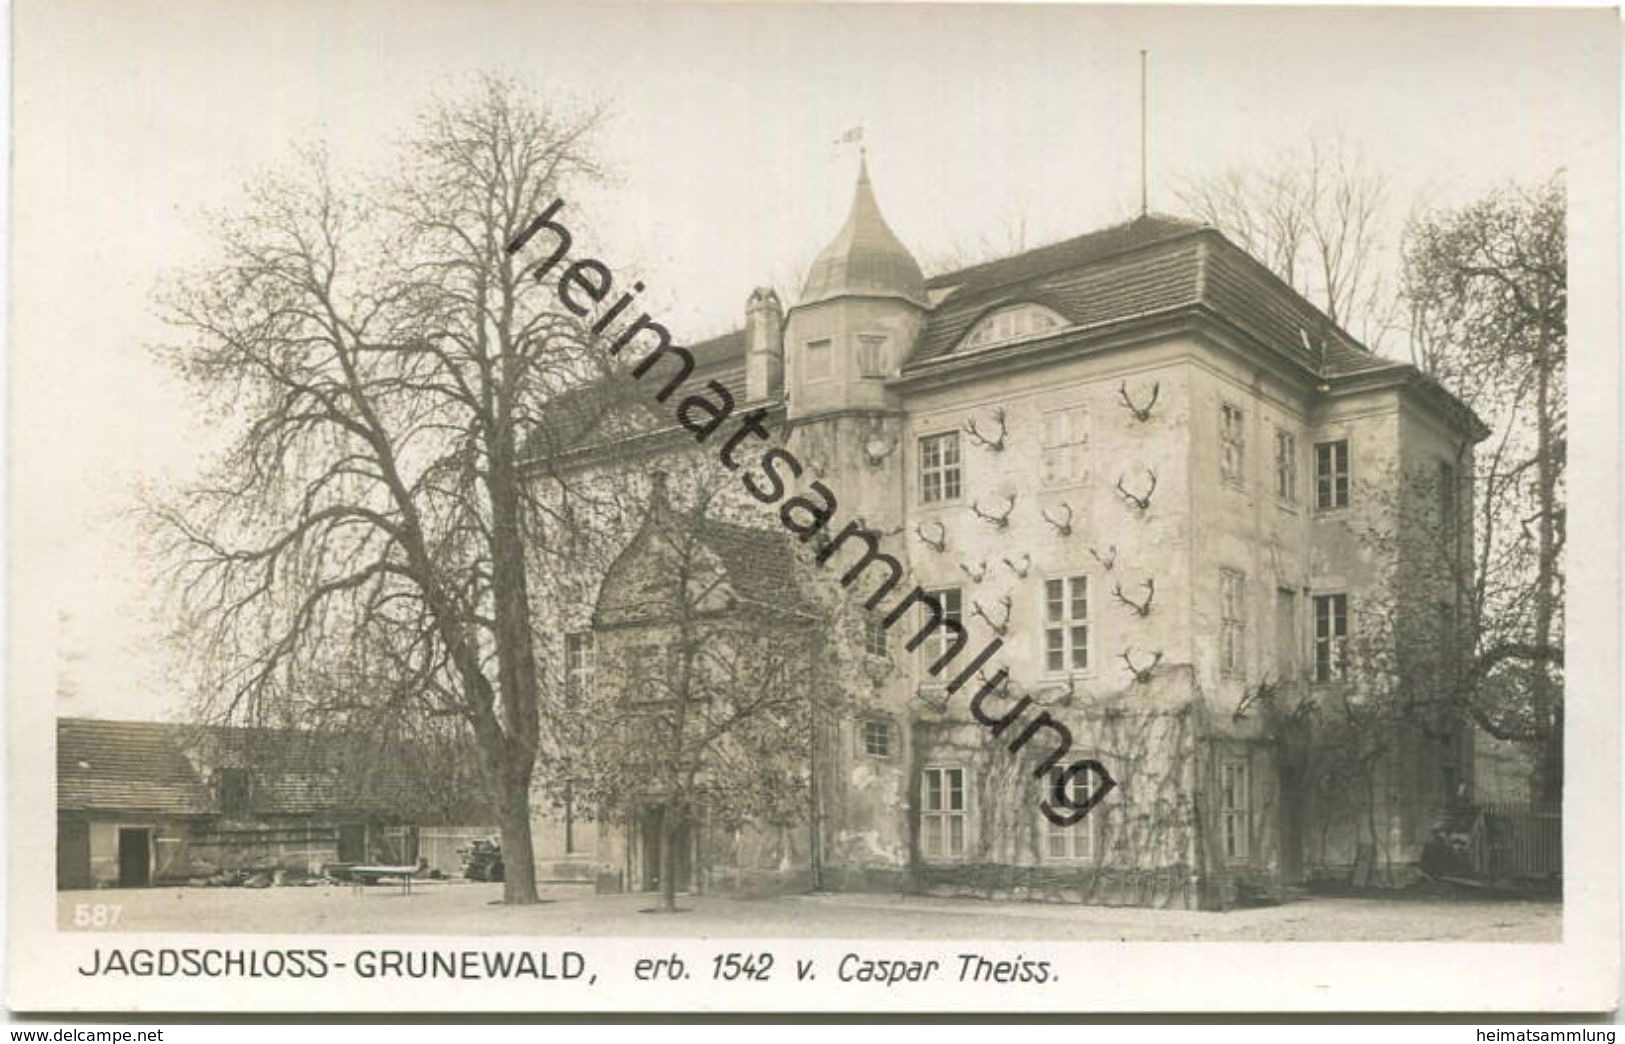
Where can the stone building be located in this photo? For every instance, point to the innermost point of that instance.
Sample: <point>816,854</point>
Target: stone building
<point>1139,464</point>
<point>143,803</point>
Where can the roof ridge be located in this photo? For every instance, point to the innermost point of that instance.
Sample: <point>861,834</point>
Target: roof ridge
<point>1171,225</point>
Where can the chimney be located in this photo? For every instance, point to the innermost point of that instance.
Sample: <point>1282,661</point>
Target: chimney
<point>764,345</point>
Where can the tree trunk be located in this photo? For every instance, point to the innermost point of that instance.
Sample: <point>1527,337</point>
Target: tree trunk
<point>518,858</point>
<point>1549,752</point>
<point>668,861</point>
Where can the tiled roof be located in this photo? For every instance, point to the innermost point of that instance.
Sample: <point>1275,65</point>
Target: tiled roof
<point>162,768</point>
<point>579,417</point>
<point>865,257</point>
<point>1068,253</point>
<point>1150,265</point>
<point>759,562</point>
<point>126,766</point>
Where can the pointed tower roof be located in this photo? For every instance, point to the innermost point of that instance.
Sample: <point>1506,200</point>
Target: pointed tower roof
<point>866,258</point>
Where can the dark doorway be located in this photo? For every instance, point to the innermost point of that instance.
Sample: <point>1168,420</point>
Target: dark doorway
<point>1291,824</point>
<point>353,843</point>
<point>134,857</point>
<point>72,854</point>
<point>651,821</point>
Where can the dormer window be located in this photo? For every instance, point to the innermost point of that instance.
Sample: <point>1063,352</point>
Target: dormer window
<point>1013,323</point>
<point>233,791</point>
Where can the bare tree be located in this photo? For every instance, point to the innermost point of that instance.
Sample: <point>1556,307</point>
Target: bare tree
<point>1487,287</point>
<point>359,551</point>
<point>705,692</point>
<point>1318,218</point>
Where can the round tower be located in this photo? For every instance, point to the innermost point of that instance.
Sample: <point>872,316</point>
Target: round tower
<point>858,317</point>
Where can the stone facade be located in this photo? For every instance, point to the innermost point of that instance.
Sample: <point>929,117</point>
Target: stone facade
<point>1147,468</point>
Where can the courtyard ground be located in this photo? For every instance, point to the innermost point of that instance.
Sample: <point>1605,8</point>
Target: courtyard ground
<point>465,908</point>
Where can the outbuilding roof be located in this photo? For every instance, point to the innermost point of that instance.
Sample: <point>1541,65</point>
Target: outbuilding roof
<point>165,768</point>
<point>126,766</point>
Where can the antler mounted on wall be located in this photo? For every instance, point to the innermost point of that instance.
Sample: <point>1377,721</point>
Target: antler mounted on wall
<point>1062,523</point>
<point>998,520</point>
<point>1141,674</point>
<point>1108,561</point>
<point>863,522</point>
<point>1020,570</point>
<point>1002,625</point>
<point>1140,608</point>
<point>1141,501</point>
<point>1140,413</point>
<point>976,574</point>
<point>995,442</point>
<point>938,543</point>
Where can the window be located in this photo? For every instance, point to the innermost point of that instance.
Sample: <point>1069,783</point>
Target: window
<point>942,813</point>
<point>818,360</point>
<point>1287,658</point>
<point>939,467</point>
<point>1234,811</point>
<point>940,639</point>
<point>580,662</point>
<point>1232,621</point>
<point>874,636</point>
<point>1332,474</point>
<point>233,790</point>
<point>871,355</point>
<point>877,738</point>
<point>1078,840</point>
<point>1008,324</point>
<point>1066,446</point>
<point>574,842</point>
<point>1066,624</point>
<point>1447,496</point>
<point>1232,444</point>
<point>1331,637</point>
<point>1286,466</point>
<point>655,672</point>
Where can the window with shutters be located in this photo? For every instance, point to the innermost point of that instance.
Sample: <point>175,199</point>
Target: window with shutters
<point>1065,453</point>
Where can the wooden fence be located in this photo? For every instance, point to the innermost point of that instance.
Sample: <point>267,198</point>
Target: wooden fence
<point>439,845</point>
<point>1518,841</point>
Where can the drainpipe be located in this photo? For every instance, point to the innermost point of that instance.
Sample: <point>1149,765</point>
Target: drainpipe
<point>815,811</point>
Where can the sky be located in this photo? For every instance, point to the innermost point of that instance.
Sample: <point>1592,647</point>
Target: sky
<point>131,121</point>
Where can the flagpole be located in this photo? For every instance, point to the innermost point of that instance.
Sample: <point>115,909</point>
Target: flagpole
<point>1144,194</point>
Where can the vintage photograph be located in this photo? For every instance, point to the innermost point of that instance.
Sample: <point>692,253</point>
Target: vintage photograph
<point>1059,474</point>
